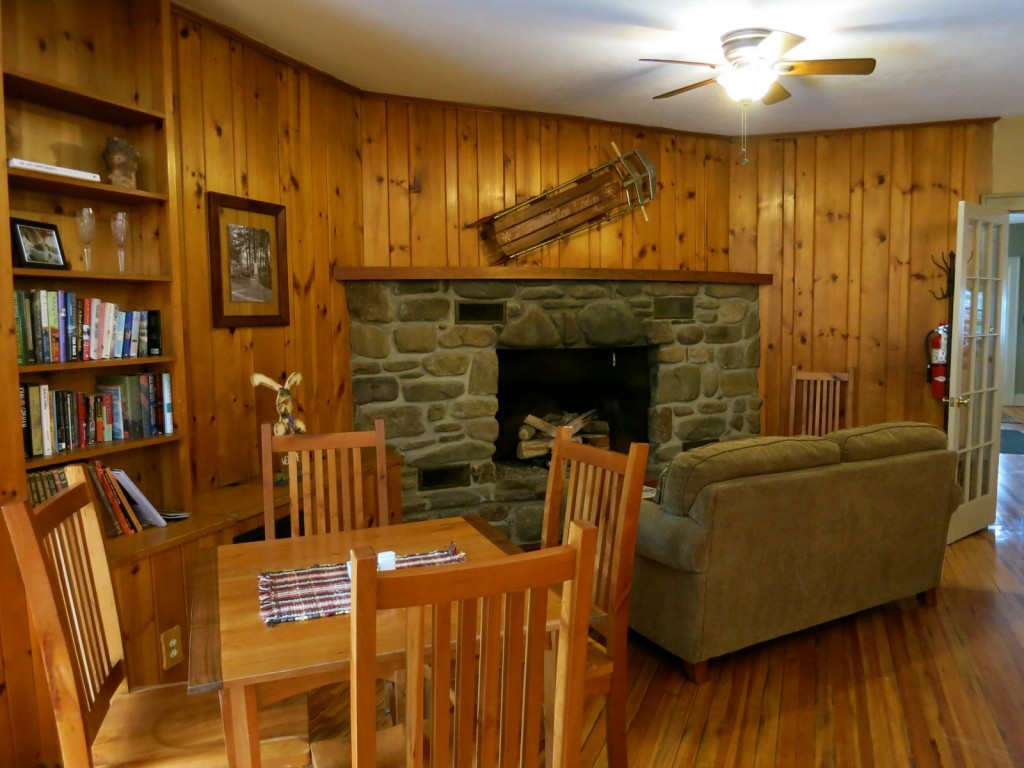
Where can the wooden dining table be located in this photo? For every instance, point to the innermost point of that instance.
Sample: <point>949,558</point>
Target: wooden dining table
<point>233,651</point>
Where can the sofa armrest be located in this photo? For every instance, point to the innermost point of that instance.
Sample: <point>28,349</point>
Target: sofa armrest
<point>678,542</point>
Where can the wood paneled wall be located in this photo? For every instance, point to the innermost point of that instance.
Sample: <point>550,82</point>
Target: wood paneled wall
<point>253,126</point>
<point>373,181</point>
<point>848,224</point>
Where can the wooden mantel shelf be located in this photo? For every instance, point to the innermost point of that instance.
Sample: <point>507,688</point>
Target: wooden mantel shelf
<point>352,274</point>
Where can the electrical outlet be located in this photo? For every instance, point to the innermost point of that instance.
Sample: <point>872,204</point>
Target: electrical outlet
<point>171,650</point>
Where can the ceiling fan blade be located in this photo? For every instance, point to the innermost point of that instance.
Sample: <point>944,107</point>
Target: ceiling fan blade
<point>776,45</point>
<point>686,88</point>
<point>826,67</point>
<point>689,63</point>
<point>776,93</point>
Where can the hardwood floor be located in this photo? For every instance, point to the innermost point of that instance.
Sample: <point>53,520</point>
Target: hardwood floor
<point>900,685</point>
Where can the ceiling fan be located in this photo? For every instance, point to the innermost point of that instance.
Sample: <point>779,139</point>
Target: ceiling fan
<point>754,62</point>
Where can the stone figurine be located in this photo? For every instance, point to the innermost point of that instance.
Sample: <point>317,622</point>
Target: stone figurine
<point>122,161</point>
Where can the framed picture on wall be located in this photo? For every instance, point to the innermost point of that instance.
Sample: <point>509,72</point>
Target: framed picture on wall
<point>248,261</point>
<point>37,244</point>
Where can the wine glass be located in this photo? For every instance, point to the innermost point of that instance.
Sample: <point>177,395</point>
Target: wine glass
<point>119,228</point>
<point>86,220</point>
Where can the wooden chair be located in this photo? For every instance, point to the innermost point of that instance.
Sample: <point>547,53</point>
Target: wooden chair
<point>60,552</point>
<point>484,703</point>
<point>326,493</point>
<point>820,402</point>
<point>605,488</point>
<point>325,479</point>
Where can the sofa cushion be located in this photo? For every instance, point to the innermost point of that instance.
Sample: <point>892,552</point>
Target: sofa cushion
<point>690,472</point>
<point>880,441</point>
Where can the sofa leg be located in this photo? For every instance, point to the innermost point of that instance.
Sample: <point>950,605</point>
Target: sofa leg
<point>696,671</point>
<point>929,597</point>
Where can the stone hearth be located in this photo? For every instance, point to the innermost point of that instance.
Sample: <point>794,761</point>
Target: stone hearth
<point>424,358</point>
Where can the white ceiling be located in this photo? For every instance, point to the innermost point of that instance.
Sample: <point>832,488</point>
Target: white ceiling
<point>937,59</point>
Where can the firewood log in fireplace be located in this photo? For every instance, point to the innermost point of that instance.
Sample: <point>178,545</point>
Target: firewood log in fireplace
<point>537,435</point>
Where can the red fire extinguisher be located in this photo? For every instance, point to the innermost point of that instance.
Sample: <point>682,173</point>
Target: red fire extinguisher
<point>937,344</point>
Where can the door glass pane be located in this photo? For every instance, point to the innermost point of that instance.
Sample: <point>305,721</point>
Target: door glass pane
<point>979,363</point>
<point>975,467</point>
<point>990,362</point>
<point>965,367</point>
<point>981,252</point>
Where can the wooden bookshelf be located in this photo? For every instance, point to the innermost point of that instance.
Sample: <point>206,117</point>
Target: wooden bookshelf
<point>101,69</point>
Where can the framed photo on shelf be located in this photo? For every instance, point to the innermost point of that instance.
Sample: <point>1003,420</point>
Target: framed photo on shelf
<point>248,261</point>
<point>37,244</point>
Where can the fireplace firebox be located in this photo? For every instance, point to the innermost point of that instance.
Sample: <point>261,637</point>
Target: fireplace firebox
<point>616,383</point>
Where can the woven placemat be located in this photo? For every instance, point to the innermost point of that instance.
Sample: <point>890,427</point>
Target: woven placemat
<point>325,590</point>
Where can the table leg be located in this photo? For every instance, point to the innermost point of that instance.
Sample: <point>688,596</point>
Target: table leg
<point>239,712</point>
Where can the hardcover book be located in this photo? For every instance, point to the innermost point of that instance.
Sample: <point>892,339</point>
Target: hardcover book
<point>117,341</point>
<point>86,329</point>
<point>144,509</point>
<point>122,500</point>
<point>166,401</point>
<point>42,312</point>
<point>35,420</point>
<point>113,395</point>
<point>95,336</point>
<point>56,170</point>
<point>62,326</point>
<point>19,328</point>
<point>116,524</point>
<point>30,334</point>
<point>133,344</point>
<point>131,400</point>
<point>74,326</point>
<point>26,432</point>
<point>46,416</point>
<point>153,336</point>
<point>53,325</point>
<point>110,311</point>
<point>146,404</point>
<point>143,333</point>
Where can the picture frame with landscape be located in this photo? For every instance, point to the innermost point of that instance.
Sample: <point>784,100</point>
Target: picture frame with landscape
<point>248,261</point>
<point>37,244</point>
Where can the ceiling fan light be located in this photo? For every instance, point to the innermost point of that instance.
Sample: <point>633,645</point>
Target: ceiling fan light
<point>746,84</point>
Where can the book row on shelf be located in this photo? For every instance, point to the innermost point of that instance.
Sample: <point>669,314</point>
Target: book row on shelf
<point>123,507</point>
<point>123,407</point>
<point>58,326</point>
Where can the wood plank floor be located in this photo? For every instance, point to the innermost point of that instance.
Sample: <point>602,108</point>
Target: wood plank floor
<point>897,686</point>
<point>900,685</point>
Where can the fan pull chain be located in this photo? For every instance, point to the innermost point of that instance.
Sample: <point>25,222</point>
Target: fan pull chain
<point>744,160</point>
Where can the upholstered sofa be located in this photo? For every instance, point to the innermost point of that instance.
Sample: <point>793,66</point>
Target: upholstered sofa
<point>756,538</point>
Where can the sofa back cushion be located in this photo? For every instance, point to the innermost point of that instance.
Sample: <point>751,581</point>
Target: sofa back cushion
<point>690,472</point>
<point>880,441</point>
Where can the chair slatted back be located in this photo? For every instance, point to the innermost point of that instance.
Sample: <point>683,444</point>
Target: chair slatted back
<point>481,631</point>
<point>820,402</point>
<point>326,480</point>
<point>605,488</point>
<point>60,553</point>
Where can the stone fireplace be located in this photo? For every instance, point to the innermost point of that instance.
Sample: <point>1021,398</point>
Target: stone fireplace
<point>445,362</point>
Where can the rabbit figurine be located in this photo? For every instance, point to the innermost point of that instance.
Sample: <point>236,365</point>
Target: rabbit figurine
<point>287,423</point>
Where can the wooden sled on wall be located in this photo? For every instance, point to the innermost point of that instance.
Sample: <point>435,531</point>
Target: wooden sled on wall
<point>601,194</point>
